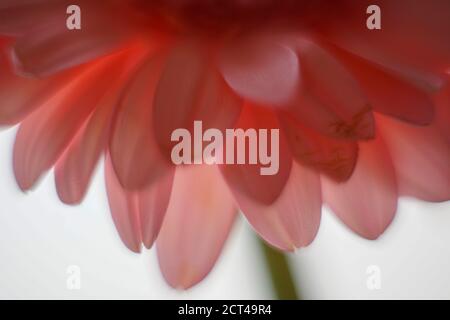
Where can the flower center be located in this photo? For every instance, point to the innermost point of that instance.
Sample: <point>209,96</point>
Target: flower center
<point>211,16</point>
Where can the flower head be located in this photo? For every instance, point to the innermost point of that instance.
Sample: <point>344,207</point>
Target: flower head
<point>363,114</point>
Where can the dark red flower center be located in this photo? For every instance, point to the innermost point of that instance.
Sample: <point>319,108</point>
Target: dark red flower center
<point>211,16</point>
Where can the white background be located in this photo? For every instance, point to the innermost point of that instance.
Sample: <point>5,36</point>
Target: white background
<point>40,238</point>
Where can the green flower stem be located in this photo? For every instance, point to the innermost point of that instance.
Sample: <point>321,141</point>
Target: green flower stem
<point>280,274</point>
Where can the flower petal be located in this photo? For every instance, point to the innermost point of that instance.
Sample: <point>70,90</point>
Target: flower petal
<point>153,204</point>
<point>138,215</point>
<point>413,39</point>
<point>442,100</point>
<point>124,209</point>
<point>387,92</point>
<point>134,151</point>
<point>19,96</point>
<point>260,69</point>
<point>333,157</point>
<point>74,169</point>
<point>190,89</point>
<point>18,17</point>
<point>52,47</point>
<point>292,221</point>
<point>44,135</point>
<point>248,178</point>
<point>367,202</point>
<point>330,100</point>
<point>198,220</point>
<point>421,156</point>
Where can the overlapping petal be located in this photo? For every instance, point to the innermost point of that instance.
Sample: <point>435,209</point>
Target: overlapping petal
<point>74,168</point>
<point>190,89</point>
<point>412,40</point>
<point>133,145</point>
<point>45,134</point>
<point>367,202</point>
<point>138,215</point>
<point>389,93</point>
<point>198,220</point>
<point>421,156</point>
<point>292,221</point>
<point>20,96</point>
<point>261,69</point>
<point>51,46</point>
<point>330,100</point>
<point>333,157</point>
<point>247,178</point>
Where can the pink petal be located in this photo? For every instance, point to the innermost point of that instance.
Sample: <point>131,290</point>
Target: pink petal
<point>247,178</point>
<point>153,204</point>
<point>134,151</point>
<point>387,92</point>
<point>333,157</point>
<point>330,100</point>
<point>292,221</point>
<point>413,39</point>
<point>261,69</point>
<point>421,156</point>
<point>124,209</point>
<point>137,215</point>
<point>44,135</point>
<point>18,95</point>
<point>20,16</point>
<point>199,218</point>
<point>74,169</point>
<point>191,89</point>
<point>442,100</point>
<point>52,47</point>
<point>367,202</point>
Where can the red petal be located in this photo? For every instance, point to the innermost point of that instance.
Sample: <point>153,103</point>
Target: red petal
<point>153,204</point>
<point>261,69</point>
<point>421,157</point>
<point>134,151</point>
<point>413,38</point>
<point>387,92</point>
<point>124,209</point>
<point>442,100</point>
<point>18,95</point>
<point>52,47</point>
<point>44,135</point>
<point>190,89</point>
<point>74,169</point>
<point>137,215</point>
<point>335,158</point>
<point>19,16</point>
<point>247,178</point>
<point>199,218</point>
<point>368,201</point>
<point>292,221</point>
<point>330,100</point>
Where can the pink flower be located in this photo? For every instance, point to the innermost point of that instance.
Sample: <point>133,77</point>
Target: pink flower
<point>364,114</point>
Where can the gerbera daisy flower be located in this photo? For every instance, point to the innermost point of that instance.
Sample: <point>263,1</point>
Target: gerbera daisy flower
<point>363,114</point>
